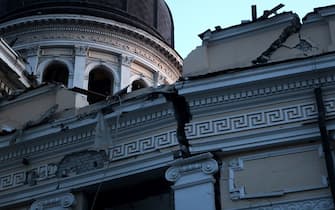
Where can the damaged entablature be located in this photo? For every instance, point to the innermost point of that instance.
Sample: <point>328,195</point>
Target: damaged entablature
<point>279,38</point>
<point>293,28</point>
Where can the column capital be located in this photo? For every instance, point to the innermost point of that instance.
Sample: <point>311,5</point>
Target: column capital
<point>60,201</point>
<point>193,182</point>
<point>197,164</point>
<point>33,51</point>
<point>81,50</point>
<point>127,60</point>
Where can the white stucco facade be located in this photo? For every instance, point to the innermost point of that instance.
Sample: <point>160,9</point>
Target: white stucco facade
<point>253,140</point>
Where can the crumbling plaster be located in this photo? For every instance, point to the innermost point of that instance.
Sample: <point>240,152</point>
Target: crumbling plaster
<point>279,38</point>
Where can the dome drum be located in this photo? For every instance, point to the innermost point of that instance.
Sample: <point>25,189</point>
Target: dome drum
<point>152,16</point>
<point>100,46</point>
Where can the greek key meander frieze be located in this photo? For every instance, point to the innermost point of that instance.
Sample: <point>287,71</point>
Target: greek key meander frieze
<point>255,120</point>
<point>84,162</point>
<point>149,144</point>
<point>143,145</point>
<point>27,177</point>
<point>265,91</point>
<point>48,145</point>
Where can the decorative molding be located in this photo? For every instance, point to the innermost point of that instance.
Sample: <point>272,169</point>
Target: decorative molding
<point>24,149</point>
<point>207,166</point>
<point>81,162</point>
<point>60,202</point>
<point>84,21</point>
<point>45,61</point>
<point>280,88</point>
<point>143,145</point>
<point>27,177</point>
<point>239,192</point>
<point>127,60</point>
<point>81,50</point>
<point>235,192</point>
<point>34,51</point>
<point>220,126</point>
<point>92,33</point>
<point>139,120</point>
<point>307,204</point>
<point>255,120</point>
<point>103,56</point>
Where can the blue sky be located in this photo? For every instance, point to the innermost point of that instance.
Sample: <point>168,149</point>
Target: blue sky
<point>192,17</point>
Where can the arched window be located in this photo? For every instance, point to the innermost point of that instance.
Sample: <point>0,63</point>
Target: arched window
<point>56,72</point>
<point>99,81</point>
<point>138,84</point>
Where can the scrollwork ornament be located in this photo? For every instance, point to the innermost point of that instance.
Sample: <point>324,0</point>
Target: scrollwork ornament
<point>209,167</point>
<point>172,174</point>
<point>68,200</point>
<point>62,201</point>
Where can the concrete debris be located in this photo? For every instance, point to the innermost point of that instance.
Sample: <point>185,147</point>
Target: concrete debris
<point>5,130</point>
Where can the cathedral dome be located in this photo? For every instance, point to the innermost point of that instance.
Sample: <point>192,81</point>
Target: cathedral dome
<point>152,16</point>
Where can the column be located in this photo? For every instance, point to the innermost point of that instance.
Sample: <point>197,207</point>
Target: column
<point>193,182</point>
<point>126,62</point>
<point>79,66</point>
<point>78,74</point>
<point>32,60</point>
<point>64,201</point>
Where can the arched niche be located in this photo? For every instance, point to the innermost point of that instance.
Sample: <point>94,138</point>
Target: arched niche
<point>138,84</point>
<point>56,71</point>
<point>100,81</point>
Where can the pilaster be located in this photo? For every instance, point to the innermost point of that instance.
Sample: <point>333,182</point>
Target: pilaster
<point>126,62</point>
<point>193,182</point>
<point>79,71</point>
<point>32,60</point>
<point>79,66</point>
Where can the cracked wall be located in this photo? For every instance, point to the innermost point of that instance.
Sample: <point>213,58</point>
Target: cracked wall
<point>279,38</point>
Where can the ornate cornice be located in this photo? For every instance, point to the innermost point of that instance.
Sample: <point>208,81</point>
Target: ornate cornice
<point>52,143</point>
<point>271,89</point>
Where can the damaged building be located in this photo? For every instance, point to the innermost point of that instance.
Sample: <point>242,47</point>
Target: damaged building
<point>98,111</point>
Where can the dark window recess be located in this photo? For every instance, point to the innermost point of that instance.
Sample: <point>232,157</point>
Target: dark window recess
<point>99,81</point>
<point>153,194</point>
<point>56,72</point>
<point>138,84</point>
